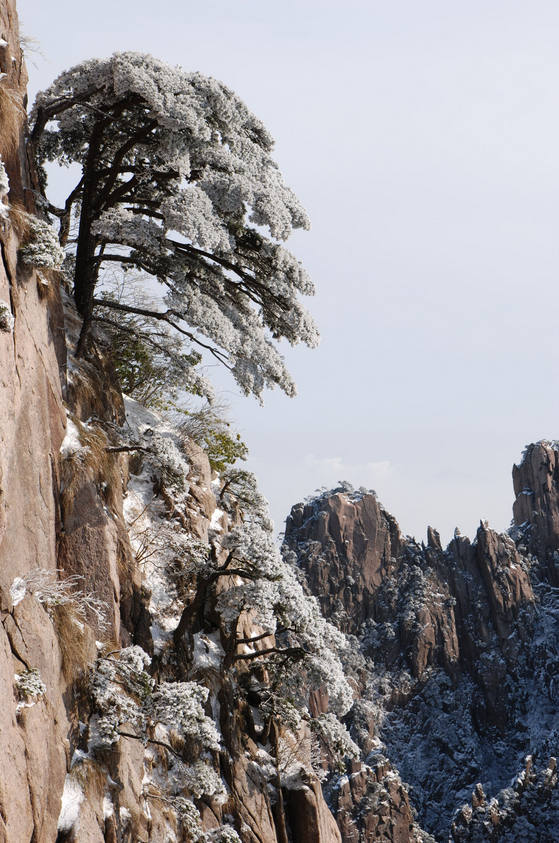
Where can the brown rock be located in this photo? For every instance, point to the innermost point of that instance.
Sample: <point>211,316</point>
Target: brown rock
<point>350,546</point>
<point>507,584</point>
<point>310,820</point>
<point>536,507</point>
<point>372,804</point>
<point>32,421</point>
<point>478,796</point>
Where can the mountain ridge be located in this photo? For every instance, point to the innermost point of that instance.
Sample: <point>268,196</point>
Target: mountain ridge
<point>458,646</point>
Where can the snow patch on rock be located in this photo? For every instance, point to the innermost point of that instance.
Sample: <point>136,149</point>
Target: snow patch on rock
<point>72,798</point>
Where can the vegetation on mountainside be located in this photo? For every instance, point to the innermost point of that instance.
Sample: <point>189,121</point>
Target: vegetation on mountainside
<point>173,235</point>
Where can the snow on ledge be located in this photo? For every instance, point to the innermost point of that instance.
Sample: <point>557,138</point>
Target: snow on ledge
<point>72,798</point>
<point>18,590</point>
<point>71,443</point>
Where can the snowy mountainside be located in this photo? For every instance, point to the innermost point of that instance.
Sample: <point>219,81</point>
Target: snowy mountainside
<point>196,704</point>
<point>457,662</point>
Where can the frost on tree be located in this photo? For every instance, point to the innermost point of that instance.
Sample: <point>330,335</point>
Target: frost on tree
<point>177,183</point>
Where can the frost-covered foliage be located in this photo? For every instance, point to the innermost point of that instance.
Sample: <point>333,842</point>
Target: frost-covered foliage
<point>225,834</point>
<point>179,704</point>
<point>336,737</point>
<point>160,442</point>
<point>41,246</point>
<point>526,810</point>
<point>4,190</point>
<point>271,636</point>
<point>178,183</point>
<point>275,597</point>
<point>30,687</point>
<point>263,587</point>
<point>344,487</point>
<point>171,462</point>
<point>120,686</point>
<point>202,780</point>
<point>125,693</point>
<point>129,702</point>
<point>239,492</point>
<point>6,318</point>
<point>190,819</point>
<point>45,586</point>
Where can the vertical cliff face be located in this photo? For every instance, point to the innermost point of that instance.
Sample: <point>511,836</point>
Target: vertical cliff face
<point>458,649</point>
<point>350,545</point>
<point>32,422</point>
<point>32,418</point>
<point>536,507</point>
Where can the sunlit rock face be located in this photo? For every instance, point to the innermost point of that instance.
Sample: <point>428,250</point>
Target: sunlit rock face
<point>455,658</point>
<point>536,505</point>
<point>32,421</point>
<point>347,544</point>
<point>443,606</point>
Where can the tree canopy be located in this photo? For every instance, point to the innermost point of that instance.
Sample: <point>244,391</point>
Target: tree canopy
<point>177,184</point>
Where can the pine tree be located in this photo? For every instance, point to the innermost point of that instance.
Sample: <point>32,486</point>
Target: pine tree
<point>177,184</point>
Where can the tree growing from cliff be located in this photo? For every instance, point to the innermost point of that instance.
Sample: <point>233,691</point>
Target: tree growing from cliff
<point>177,184</point>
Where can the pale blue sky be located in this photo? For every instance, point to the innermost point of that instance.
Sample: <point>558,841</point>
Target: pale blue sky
<point>423,139</point>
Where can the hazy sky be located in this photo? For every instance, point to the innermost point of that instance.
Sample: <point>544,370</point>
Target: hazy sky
<point>423,139</point>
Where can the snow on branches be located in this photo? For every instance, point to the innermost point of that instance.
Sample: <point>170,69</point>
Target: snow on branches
<point>41,247</point>
<point>305,654</point>
<point>6,317</point>
<point>125,695</point>
<point>336,738</point>
<point>178,183</point>
<point>179,704</point>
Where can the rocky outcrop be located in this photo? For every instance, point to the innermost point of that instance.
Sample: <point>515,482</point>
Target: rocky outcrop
<point>309,817</point>
<point>32,417</point>
<point>351,545</point>
<point>522,811</point>
<point>456,646</point>
<point>371,803</point>
<point>442,607</point>
<point>536,505</point>
<point>32,423</point>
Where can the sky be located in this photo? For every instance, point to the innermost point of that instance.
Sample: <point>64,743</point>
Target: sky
<point>423,140</point>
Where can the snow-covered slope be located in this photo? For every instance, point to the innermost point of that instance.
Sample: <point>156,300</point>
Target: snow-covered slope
<point>456,655</point>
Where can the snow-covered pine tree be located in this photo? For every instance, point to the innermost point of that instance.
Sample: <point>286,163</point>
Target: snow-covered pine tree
<point>178,184</point>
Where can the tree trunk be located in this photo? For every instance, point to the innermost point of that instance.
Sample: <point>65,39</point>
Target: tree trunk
<point>279,807</point>
<point>86,271</point>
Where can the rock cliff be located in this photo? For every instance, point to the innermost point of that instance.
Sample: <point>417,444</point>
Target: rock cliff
<point>536,507</point>
<point>32,422</point>
<point>457,677</point>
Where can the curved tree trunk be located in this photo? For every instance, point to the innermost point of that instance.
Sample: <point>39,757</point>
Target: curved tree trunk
<point>86,271</point>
